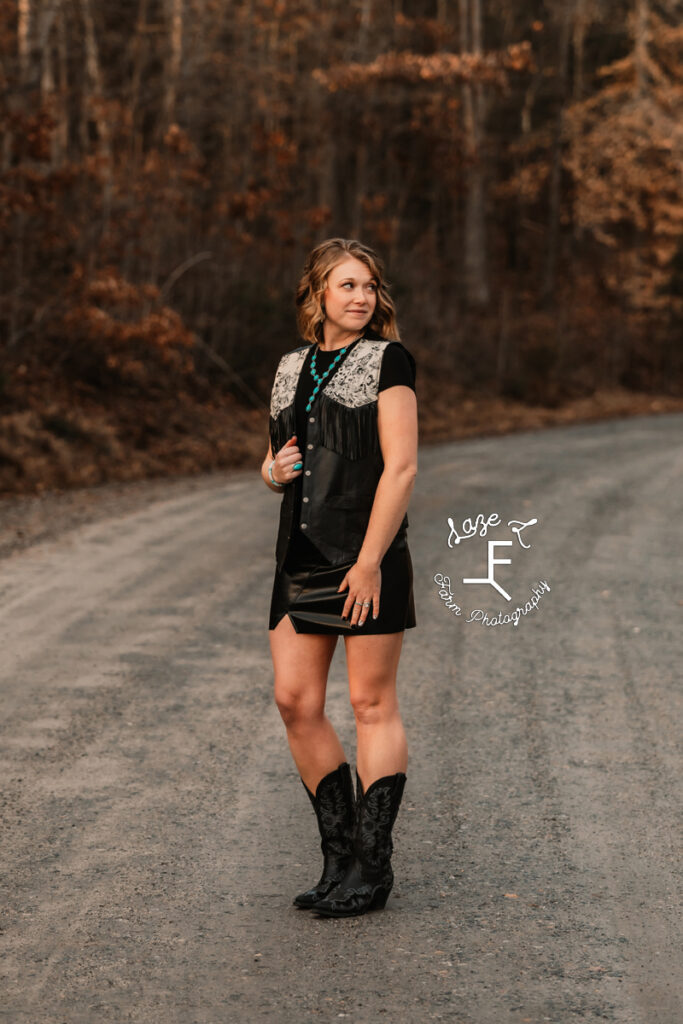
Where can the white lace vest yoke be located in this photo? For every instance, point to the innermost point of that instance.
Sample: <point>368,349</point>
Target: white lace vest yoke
<point>354,384</point>
<point>346,420</point>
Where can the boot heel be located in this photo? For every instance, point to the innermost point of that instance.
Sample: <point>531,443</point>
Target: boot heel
<point>379,900</point>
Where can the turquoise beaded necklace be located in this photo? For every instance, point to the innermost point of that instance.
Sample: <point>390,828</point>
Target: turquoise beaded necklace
<point>320,377</point>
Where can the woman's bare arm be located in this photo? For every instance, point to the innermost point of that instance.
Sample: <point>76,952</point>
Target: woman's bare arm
<point>397,426</point>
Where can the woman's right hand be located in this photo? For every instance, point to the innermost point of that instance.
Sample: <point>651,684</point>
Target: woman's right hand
<point>285,462</point>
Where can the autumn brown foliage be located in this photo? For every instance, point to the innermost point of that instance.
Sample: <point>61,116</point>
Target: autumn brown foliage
<point>165,165</point>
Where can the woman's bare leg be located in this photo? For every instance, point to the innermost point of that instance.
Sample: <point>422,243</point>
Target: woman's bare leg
<point>372,663</point>
<point>301,663</point>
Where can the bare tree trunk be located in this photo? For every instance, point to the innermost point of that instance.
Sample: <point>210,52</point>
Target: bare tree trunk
<point>138,63</point>
<point>49,55</point>
<point>326,174</point>
<point>94,83</point>
<point>579,36</point>
<point>361,188</point>
<point>271,60</point>
<point>175,16</point>
<point>14,324</point>
<point>477,291</point>
<point>556,169</point>
<point>48,89</point>
<point>198,41</point>
<point>47,77</point>
<point>502,355</point>
<point>364,27</point>
<point>92,93</point>
<point>45,22</point>
<point>640,58</point>
<point>24,38</point>
<point>61,137</point>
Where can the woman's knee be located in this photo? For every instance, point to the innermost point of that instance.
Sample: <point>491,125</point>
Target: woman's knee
<point>370,708</point>
<point>297,705</point>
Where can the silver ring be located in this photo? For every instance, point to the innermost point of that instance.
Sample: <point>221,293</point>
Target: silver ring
<point>366,604</point>
<point>358,602</point>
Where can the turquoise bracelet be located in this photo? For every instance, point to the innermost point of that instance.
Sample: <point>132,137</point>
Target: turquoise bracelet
<point>270,474</point>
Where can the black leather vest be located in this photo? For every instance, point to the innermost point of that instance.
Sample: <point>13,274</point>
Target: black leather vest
<point>342,457</point>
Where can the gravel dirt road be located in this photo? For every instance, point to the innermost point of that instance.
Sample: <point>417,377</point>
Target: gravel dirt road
<point>154,828</point>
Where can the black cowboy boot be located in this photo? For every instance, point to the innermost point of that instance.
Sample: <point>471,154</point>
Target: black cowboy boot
<point>334,806</point>
<point>369,878</point>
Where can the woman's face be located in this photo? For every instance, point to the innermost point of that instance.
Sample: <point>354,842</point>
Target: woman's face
<point>351,295</point>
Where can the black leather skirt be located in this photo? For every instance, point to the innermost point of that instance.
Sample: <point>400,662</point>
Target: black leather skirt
<point>308,594</point>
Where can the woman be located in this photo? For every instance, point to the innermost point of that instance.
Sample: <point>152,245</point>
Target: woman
<point>343,454</point>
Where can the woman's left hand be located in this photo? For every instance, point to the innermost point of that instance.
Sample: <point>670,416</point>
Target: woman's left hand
<point>364,585</point>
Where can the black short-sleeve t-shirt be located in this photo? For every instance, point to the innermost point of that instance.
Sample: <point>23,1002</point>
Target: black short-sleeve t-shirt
<point>398,367</point>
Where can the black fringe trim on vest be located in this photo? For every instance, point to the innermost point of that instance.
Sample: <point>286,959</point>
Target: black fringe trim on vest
<point>349,432</point>
<point>282,427</point>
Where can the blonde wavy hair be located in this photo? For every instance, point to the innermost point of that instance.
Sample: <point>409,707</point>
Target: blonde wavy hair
<point>313,282</point>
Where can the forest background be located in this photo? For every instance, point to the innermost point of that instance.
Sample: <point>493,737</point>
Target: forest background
<point>166,165</point>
